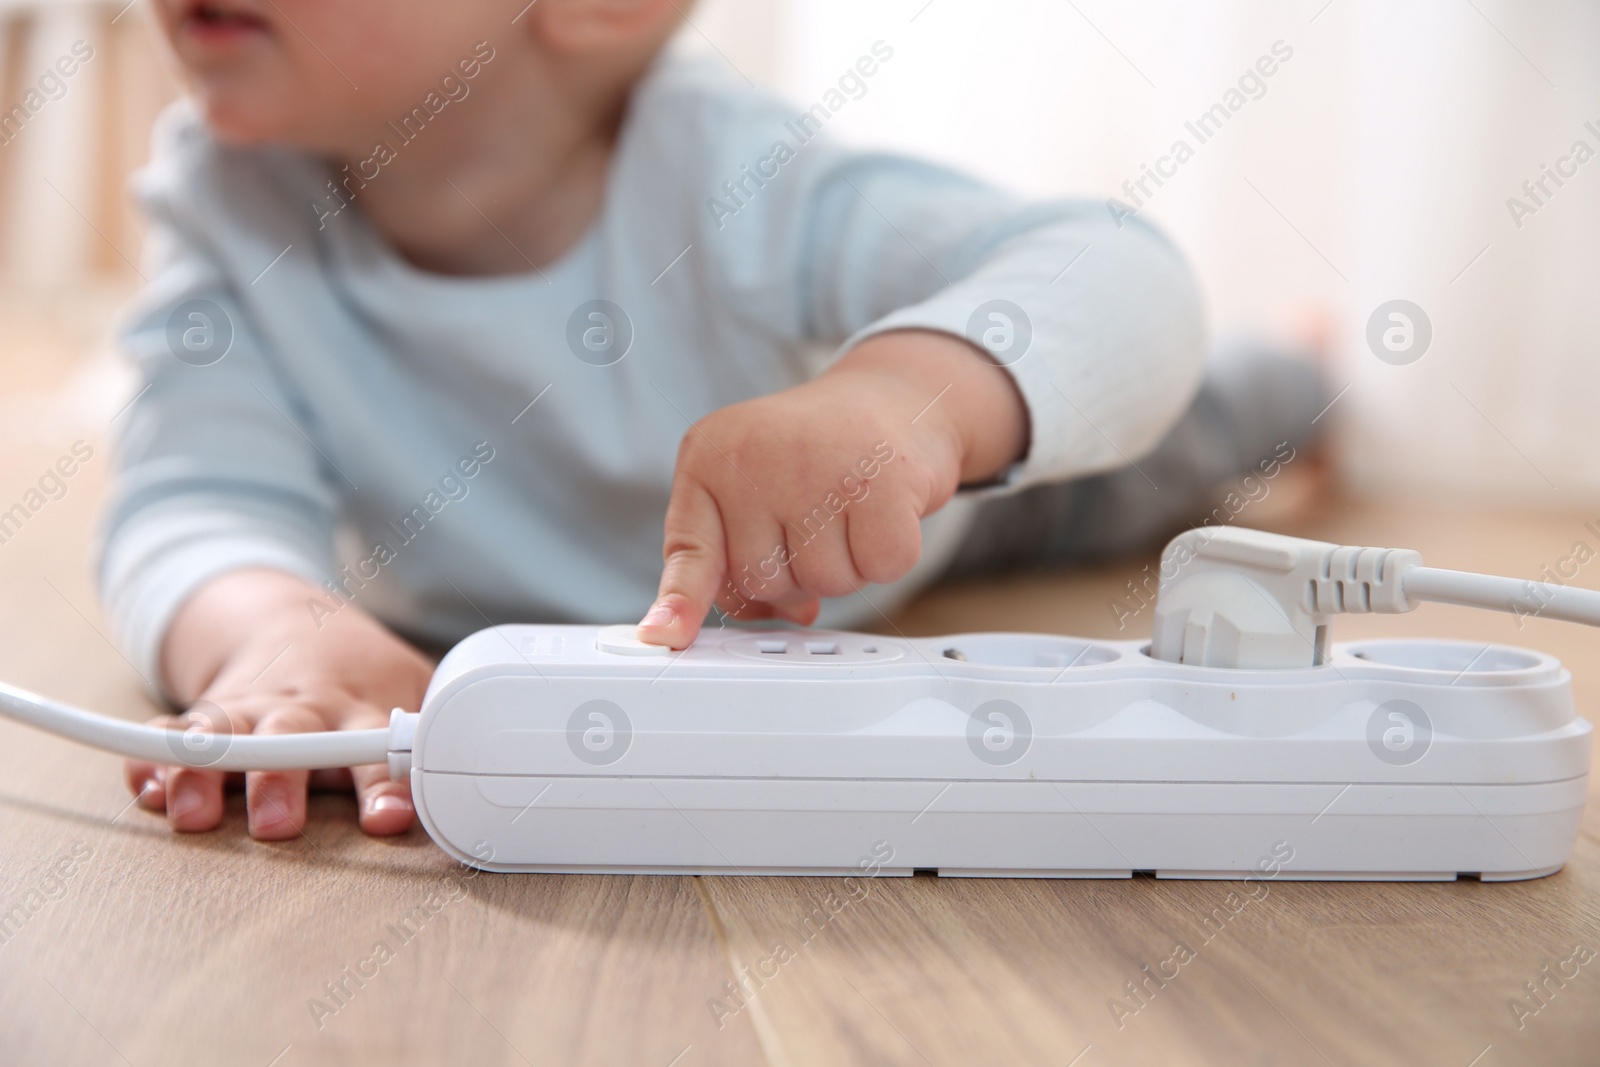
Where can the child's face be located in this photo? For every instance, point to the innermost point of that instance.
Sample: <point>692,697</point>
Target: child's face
<point>320,73</point>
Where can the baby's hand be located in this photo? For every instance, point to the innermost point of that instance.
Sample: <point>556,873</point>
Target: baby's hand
<point>817,490</point>
<point>248,653</point>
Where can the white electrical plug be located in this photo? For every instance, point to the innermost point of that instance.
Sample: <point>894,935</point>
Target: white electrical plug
<point>1240,598</point>
<point>1233,597</point>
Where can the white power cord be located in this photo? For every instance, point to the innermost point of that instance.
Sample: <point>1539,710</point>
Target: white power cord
<point>1233,597</point>
<point>1503,594</point>
<point>196,747</point>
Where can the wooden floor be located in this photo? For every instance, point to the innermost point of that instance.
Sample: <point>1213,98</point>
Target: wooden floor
<point>145,948</point>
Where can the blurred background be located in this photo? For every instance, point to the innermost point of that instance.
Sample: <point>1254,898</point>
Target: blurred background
<point>1375,163</point>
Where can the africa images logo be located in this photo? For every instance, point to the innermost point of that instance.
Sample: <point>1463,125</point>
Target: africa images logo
<point>999,732</point>
<point>599,732</point>
<point>1399,732</point>
<point>599,332</point>
<point>1399,332</point>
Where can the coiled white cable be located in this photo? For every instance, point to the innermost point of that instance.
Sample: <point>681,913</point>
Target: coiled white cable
<point>196,747</point>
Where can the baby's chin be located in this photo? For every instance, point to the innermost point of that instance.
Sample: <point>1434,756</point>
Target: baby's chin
<point>244,119</point>
<point>233,129</point>
<point>285,112</point>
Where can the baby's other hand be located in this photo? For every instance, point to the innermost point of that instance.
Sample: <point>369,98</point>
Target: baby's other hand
<point>817,490</point>
<point>249,654</point>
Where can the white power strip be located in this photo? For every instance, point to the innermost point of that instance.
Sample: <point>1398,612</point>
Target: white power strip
<point>574,749</point>
<point>1247,744</point>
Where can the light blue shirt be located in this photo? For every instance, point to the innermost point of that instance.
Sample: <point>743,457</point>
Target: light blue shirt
<point>450,452</point>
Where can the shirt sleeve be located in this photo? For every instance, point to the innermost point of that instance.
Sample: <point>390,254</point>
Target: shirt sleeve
<point>1097,318</point>
<point>215,471</point>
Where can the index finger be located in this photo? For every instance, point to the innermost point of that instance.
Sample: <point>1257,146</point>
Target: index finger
<point>695,558</point>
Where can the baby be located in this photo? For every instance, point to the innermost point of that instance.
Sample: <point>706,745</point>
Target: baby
<point>450,306</point>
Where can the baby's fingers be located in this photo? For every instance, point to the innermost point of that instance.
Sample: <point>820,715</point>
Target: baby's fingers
<point>275,801</point>
<point>885,537</point>
<point>194,799</point>
<point>695,557</point>
<point>383,806</point>
<point>146,780</point>
<point>191,798</point>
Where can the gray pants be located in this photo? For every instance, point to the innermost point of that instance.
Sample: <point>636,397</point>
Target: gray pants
<point>1254,400</point>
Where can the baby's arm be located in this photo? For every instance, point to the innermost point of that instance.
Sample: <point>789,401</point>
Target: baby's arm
<point>219,527</point>
<point>218,533</point>
<point>219,530</point>
<point>929,279</point>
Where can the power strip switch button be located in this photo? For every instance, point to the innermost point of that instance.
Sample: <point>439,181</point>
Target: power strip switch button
<point>624,641</point>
